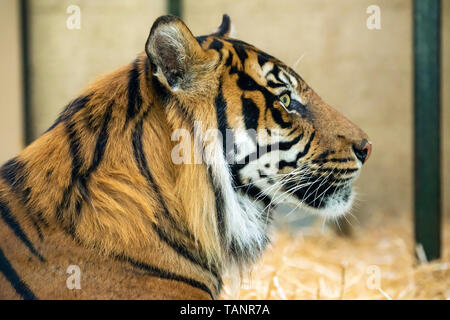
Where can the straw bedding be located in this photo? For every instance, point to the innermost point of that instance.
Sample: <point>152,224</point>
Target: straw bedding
<point>376,262</point>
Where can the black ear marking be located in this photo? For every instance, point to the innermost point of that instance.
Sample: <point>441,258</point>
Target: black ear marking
<point>225,27</point>
<point>172,66</point>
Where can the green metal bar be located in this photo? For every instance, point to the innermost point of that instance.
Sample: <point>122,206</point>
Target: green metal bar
<point>427,191</point>
<point>26,81</point>
<point>175,7</point>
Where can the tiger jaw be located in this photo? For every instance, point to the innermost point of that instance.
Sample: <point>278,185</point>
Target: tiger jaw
<point>320,198</point>
<point>334,205</point>
<point>329,199</point>
<point>329,195</point>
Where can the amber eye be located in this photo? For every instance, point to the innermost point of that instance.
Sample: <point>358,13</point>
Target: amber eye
<point>285,99</point>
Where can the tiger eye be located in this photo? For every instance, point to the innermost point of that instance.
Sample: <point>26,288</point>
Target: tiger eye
<point>285,100</point>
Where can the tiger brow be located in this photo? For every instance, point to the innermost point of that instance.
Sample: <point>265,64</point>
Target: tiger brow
<point>273,84</point>
<point>276,71</point>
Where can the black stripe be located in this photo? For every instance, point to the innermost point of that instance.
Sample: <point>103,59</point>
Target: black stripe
<point>307,147</point>
<point>71,109</point>
<point>78,178</point>
<point>262,150</point>
<point>134,93</point>
<point>216,45</point>
<point>141,161</point>
<point>100,147</point>
<point>220,205</point>
<point>41,219</point>
<point>324,154</point>
<point>262,60</point>
<point>276,73</point>
<point>75,149</point>
<point>300,155</point>
<point>164,274</point>
<point>38,229</point>
<point>77,163</point>
<point>201,39</point>
<point>102,140</point>
<point>336,171</point>
<point>249,47</point>
<point>241,53</point>
<point>17,229</point>
<point>229,61</point>
<point>340,160</point>
<point>222,123</point>
<point>147,69</point>
<point>250,111</point>
<point>184,252</point>
<point>272,84</point>
<point>67,223</point>
<point>13,173</point>
<point>13,278</point>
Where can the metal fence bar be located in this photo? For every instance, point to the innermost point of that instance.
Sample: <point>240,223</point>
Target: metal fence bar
<point>427,175</point>
<point>175,7</point>
<point>26,80</point>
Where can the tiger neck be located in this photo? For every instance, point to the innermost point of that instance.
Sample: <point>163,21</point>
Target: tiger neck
<point>238,229</point>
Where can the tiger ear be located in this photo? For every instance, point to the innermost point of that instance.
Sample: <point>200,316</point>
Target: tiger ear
<point>225,29</point>
<point>174,53</point>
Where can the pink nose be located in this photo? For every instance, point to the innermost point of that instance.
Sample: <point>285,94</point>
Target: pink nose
<point>363,151</point>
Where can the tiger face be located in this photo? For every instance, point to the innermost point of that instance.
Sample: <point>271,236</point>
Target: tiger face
<point>281,142</point>
<point>290,146</point>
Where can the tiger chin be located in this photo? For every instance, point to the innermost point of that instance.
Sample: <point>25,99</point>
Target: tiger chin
<point>99,207</point>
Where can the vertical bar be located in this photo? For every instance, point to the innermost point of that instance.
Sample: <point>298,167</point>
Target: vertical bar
<point>427,190</point>
<point>175,7</point>
<point>27,120</point>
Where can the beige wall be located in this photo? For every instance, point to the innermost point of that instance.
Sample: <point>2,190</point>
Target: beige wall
<point>11,136</point>
<point>64,61</point>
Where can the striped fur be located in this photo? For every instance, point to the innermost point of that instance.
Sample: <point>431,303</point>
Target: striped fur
<point>100,189</point>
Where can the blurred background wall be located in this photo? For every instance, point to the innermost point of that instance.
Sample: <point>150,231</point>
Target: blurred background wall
<point>365,74</point>
<point>11,116</point>
<point>64,60</point>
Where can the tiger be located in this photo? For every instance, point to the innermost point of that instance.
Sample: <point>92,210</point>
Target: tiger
<point>109,204</point>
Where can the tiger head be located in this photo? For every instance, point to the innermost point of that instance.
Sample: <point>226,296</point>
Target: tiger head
<point>280,140</point>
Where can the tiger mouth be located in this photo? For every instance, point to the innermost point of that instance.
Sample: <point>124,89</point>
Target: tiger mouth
<point>326,197</point>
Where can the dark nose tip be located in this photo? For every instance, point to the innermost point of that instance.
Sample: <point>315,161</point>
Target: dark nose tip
<point>363,151</point>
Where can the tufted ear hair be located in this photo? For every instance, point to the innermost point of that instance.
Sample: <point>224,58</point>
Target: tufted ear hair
<point>226,28</point>
<point>174,53</point>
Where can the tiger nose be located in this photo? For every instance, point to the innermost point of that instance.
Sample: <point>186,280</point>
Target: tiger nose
<point>363,150</point>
